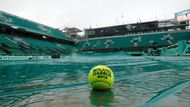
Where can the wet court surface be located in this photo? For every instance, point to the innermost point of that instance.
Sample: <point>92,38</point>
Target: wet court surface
<point>139,81</point>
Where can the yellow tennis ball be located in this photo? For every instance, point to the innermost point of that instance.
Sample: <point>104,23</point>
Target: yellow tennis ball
<point>101,77</point>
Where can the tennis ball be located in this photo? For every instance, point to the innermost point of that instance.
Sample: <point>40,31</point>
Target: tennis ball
<point>101,77</point>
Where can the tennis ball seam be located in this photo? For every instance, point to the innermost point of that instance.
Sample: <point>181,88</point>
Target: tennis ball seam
<point>101,81</point>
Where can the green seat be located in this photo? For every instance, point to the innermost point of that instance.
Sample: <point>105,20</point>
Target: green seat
<point>6,42</point>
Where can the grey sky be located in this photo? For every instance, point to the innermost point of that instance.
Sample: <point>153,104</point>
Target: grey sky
<point>94,13</point>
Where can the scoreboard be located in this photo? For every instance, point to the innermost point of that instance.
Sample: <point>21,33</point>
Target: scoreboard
<point>183,15</point>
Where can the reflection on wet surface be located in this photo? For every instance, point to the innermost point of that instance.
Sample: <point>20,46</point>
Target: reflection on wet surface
<point>139,81</point>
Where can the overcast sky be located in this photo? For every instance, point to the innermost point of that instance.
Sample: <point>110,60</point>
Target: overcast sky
<point>94,13</point>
